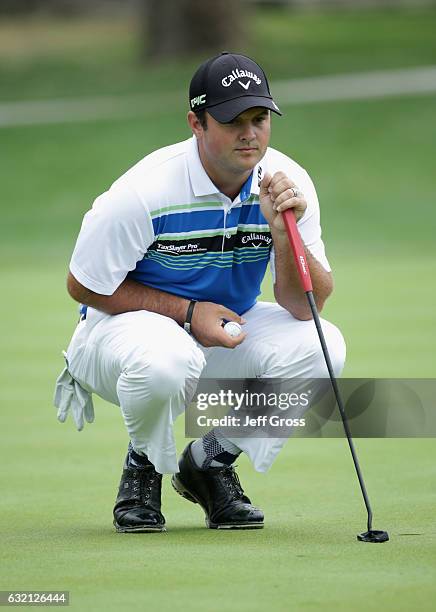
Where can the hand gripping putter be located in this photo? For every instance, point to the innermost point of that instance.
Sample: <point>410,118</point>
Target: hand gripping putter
<point>371,535</point>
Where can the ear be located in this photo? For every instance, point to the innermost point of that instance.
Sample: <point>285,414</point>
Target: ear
<point>195,124</point>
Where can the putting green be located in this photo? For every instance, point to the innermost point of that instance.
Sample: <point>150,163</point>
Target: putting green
<point>57,531</point>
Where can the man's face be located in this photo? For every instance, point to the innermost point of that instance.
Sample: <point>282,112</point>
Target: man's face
<point>235,147</point>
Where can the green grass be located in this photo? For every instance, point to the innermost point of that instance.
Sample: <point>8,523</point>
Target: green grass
<point>372,163</point>
<point>58,533</point>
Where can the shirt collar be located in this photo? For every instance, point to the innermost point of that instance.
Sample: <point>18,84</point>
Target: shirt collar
<point>200,181</point>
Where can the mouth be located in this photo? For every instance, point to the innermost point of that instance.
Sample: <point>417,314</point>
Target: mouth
<point>247,149</point>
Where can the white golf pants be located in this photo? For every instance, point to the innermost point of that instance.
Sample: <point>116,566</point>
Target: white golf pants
<point>141,360</point>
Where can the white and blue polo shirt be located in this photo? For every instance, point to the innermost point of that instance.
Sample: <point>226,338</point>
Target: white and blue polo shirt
<point>166,225</point>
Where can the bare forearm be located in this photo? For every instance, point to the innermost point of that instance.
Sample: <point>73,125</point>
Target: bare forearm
<point>131,296</point>
<point>207,317</point>
<point>287,288</point>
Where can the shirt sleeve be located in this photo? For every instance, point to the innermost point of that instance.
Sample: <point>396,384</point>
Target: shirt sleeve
<point>114,236</point>
<point>309,225</point>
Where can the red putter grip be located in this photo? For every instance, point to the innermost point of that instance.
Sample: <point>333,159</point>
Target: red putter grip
<point>297,249</point>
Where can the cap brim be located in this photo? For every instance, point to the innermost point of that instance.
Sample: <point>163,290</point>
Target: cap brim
<point>227,111</point>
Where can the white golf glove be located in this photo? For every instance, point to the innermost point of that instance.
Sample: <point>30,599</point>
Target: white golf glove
<point>70,395</point>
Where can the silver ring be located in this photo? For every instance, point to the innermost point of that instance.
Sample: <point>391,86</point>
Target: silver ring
<point>297,193</point>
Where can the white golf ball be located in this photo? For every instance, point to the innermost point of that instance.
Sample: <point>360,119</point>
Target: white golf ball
<point>233,328</point>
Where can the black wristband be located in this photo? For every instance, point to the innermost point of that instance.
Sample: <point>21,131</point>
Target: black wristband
<point>187,323</point>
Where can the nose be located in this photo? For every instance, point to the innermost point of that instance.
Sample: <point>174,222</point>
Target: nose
<point>247,132</point>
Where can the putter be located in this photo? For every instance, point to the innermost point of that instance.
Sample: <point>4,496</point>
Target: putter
<point>371,535</point>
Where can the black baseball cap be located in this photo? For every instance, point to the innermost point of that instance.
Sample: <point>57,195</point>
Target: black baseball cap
<point>229,84</point>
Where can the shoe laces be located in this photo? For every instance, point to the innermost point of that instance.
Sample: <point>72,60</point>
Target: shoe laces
<point>232,482</point>
<point>146,477</point>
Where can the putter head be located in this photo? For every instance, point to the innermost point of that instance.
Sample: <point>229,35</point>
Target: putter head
<point>373,536</point>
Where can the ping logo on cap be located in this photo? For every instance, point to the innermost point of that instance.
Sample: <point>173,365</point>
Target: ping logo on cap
<point>198,100</point>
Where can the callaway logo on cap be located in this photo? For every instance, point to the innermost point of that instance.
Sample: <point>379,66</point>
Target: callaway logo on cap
<point>229,84</point>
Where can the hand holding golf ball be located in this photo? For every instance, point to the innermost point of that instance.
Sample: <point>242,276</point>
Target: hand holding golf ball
<point>232,328</point>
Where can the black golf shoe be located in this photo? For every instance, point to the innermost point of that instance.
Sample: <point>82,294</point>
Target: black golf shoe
<point>219,493</point>
<point>137,507</point>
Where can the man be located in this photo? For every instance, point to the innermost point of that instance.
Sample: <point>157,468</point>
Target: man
<point>178,245</point>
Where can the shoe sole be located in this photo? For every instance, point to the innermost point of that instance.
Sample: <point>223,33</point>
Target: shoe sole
<point>180,488</point>
<point>122,529</point>
<point>211,525</point>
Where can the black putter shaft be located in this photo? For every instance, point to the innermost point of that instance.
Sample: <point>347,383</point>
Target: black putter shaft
<point>315,315</point>
<point>304,274</point>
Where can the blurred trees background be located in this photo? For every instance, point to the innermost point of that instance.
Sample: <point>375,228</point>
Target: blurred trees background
<point>167,27</point>
<point>190,26</point>
<point>54,7</point>
<point>170,28</point>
